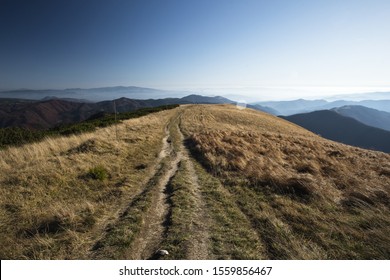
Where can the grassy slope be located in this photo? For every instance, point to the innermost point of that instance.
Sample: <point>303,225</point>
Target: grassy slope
<point>306,197</point>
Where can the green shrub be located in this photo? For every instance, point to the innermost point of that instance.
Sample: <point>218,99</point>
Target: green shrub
<point>14,136</point>
<point>98,173</point>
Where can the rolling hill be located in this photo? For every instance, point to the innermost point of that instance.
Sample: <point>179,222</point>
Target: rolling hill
<point>334,126</point>
<point>201,181</point>
<point>45,114</point>
<point>368,116</point>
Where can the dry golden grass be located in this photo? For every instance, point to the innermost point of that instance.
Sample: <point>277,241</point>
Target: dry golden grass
<point>52,208</point>
<point>264,188</point>
<point>307,197</point>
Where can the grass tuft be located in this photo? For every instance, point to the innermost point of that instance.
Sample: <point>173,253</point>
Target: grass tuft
<point>98,173</point>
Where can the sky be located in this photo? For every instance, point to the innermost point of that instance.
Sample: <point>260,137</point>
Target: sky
<point>274,47</point>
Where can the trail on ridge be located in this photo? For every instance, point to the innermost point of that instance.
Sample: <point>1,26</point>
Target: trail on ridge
<point>156,223</point>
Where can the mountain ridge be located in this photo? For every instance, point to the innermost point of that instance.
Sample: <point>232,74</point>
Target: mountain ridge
<point>368,116</point>
<point>347,130</point>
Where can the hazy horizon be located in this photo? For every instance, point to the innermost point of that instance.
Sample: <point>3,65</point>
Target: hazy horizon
<point>269,49</point>
<point>252,94</point>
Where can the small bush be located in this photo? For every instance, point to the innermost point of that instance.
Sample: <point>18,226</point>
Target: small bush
<point>98,173</point>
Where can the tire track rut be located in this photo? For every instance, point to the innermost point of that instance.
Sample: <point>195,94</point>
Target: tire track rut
<point>105,247</point>
<point>198,247</point>
<point>155,223</point>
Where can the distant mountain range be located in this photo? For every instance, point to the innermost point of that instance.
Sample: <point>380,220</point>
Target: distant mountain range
<point>287,108</point>
<point>368,116</point>
<point>93,94</point>
<point>334,126</point>
<point>50,112</point>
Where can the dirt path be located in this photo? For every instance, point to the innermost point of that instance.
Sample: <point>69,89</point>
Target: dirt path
<point>156,221</point>
<point>154,227</point>
<point>151,232</point>
<point>198,247</point>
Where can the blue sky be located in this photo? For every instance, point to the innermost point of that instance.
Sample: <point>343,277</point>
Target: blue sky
<point>196,44</point>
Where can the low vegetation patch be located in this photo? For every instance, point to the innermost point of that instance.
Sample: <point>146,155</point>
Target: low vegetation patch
<point>98,173</point>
